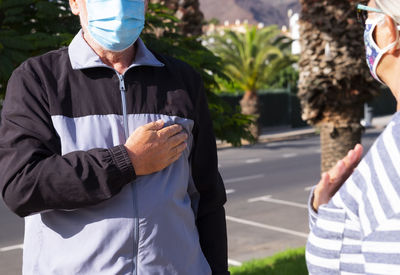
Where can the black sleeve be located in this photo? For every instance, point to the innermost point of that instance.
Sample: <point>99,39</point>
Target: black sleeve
<point>33,175</point>
<point>211,222</point>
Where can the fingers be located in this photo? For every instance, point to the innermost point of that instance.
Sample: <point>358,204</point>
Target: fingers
<point>324,180</point>
<point>170,131</point>
<point>353,157</point>
<point>337,171</point>
<point>345,167</point>
<point>350,159</point>
<point>332,180</point>
<point>155,125</point>
<point>177,140</point>
<point>358,149</point>
<point>177,152</point>
<point>322,193</point>
<point>342,173</point>
<point>338,175</point>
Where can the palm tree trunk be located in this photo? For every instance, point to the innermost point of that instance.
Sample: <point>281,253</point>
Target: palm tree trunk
<point>331,94</point>
<point>250,106</point>
<point>337,139</point>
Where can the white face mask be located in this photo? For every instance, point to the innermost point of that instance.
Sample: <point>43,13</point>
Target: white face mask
<point>373,52</point>
<point>115,24</point>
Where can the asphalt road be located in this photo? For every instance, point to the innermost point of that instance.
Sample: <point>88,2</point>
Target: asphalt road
<point>267,185</point>
<point>268,188</point>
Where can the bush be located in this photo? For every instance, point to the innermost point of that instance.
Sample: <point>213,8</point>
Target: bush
<point>290,262</point>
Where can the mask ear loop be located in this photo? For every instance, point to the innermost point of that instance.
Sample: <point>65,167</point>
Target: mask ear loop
<point>395,43</point>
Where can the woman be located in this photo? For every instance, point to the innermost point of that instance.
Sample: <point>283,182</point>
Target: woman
<point>356,230</point>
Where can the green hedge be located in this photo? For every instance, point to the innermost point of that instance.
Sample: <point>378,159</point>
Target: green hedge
<point>289,262</point>
<point>276,109</point>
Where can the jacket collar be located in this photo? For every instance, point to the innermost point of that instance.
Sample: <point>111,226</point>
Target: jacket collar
<point>82,55</point>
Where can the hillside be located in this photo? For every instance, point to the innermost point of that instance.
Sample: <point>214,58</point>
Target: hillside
<point>265,11</point>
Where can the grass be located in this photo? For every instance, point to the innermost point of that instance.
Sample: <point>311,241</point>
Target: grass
<point>290,262</point>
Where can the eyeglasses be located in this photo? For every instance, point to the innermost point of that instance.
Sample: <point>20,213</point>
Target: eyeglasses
<point>362,13</point>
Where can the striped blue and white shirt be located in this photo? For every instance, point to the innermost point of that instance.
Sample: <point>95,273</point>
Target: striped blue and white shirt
<point>358,231</point>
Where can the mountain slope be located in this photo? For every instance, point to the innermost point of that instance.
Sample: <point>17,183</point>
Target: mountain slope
<point>265,11</point>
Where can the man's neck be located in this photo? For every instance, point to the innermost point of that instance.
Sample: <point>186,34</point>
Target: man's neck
<point>120,61</point>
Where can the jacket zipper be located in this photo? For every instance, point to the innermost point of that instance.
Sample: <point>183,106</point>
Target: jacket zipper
<point>123,98</point>
<point>134,192</point>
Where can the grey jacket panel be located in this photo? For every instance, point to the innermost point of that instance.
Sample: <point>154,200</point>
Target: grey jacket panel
<point>91,238</point>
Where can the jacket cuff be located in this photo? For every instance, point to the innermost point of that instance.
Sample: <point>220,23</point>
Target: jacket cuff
<point>122,162</point>
<point>312,214</point>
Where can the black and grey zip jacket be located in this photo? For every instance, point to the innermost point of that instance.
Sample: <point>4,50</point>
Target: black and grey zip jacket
<point>64,168</point>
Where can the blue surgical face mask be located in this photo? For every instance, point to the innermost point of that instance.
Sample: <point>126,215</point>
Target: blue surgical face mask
<point>373,52</point>
<point>115,24</point>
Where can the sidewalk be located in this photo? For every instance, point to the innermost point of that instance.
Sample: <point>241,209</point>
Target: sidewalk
<point>281,133</point>
<point>381,122</point>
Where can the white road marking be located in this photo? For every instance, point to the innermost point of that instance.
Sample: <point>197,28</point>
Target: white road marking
<point>234,263</point>
<point>12,247</point>
<point>266,226</point>
<point>291,155</point>
<point>230,191</point>
<point>270,199</point>
<point>259,176</point>
<point>253,160</point>
<point>308,189</point>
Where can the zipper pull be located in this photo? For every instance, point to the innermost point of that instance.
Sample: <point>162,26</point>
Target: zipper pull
<point>121,83</point>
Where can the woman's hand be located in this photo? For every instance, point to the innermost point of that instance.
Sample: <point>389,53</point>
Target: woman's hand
<point>332,180</point>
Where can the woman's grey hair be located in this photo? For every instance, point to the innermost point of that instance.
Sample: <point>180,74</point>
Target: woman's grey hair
<point>391,8</point>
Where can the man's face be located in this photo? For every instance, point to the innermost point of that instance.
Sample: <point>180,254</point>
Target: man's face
<point>78,7</point>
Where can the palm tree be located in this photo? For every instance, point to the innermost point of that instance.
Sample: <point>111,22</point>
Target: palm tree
<point>334,80</point>
<point>251,60</point>
<point>189,14</point>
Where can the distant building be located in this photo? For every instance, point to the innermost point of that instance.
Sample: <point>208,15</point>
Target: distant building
<point>295,33</point>
<point>237,25</point>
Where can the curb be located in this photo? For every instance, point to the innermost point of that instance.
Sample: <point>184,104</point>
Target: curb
<point>380,124</point>
<point>295,135</point>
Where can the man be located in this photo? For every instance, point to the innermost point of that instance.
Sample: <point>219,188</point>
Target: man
<point>107,150</point>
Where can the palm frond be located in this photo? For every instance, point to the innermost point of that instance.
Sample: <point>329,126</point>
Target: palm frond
<point>248,57</point>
